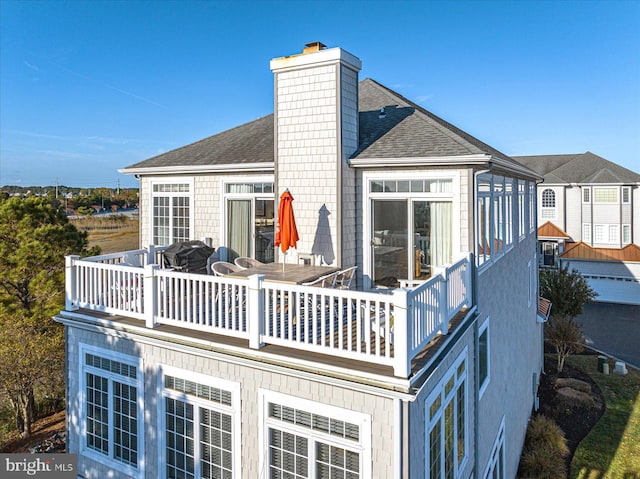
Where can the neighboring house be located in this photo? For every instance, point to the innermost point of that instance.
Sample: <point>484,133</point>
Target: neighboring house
<point>594,202</point>
<point>207,376</point>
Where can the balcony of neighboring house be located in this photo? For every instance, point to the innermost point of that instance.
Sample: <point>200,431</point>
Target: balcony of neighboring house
<point>391,332</point>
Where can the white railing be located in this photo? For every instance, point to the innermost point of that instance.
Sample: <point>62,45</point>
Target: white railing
<point>385,329</point>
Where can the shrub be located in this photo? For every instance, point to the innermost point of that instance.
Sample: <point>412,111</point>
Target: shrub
<point>545,450</point>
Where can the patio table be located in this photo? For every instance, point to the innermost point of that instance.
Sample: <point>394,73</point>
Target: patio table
<point>293,273</point>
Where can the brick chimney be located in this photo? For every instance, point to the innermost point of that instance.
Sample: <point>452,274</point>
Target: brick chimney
<point>316,130</point>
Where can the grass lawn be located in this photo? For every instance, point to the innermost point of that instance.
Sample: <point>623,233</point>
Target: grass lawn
<point>612,449</point>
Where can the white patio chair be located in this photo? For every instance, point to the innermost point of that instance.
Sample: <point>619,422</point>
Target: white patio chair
<point>222,268</point>
<point>245,262</point>
<point>344,278</point>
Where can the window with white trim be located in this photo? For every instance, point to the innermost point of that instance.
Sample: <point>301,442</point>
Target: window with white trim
<point>495,465</point>
<point>171,215</point>
<point>532,206</point>
<point>626,195</point>
<point>485,230</point>
<point>548,204</point>
<point>586,194</point>
<point>498,215</point>
<point>605,194</point>
<point>508,211</point>
<point>447,432</point>
<point>200,425</point>
<point>305,439</point>
<point>586,232</point>
<point>111,408</point>
<point>598,234</point>
<point>484,367</point>
<point>626,234</point>
<point>521,210</point>
<point>614,234</point>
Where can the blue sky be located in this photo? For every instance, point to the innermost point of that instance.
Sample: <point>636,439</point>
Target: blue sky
<point>87,87</point>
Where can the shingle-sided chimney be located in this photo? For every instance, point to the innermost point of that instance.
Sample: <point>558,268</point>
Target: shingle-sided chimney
<point>316,130</point>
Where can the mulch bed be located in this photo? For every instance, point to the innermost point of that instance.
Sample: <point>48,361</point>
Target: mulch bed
<point>575,420</point>
<point>48,436</point>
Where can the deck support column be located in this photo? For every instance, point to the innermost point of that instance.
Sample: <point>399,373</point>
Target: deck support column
<point>402,332</point>
<point>150,298</point>
<point>255,309</point>
<point>70,295</point>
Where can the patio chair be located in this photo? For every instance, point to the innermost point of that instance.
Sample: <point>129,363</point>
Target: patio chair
<point>344,278</point>
<point>222,268</point>
<point>326,281</point>
<point>245,262</point>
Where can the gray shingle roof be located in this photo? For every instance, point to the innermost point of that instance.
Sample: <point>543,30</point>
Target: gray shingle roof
<point>586,168</point>
<point>248,143</point>
<point>406,131</point>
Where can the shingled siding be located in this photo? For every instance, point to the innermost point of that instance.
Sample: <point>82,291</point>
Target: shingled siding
<point>306,164</point>
<point>515,350</point>
<point>349,128</point>
<point>251,379</point>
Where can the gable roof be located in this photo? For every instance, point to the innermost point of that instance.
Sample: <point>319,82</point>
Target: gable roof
<point>406,131</point>
<point>581,250</point>
<point>582,168</point>
<point>549,230</point>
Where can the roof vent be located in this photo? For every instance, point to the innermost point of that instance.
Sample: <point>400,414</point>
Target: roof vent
<point>313,47</point>
<point>382,113</point>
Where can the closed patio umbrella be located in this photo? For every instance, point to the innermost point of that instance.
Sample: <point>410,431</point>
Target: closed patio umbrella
<point>287,234</point>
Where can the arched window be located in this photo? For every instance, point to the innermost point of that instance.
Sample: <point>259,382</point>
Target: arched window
<point>548,204</point>
<point>548,198</point>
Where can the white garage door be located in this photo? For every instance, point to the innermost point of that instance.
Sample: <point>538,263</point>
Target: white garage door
<point>616,290</point>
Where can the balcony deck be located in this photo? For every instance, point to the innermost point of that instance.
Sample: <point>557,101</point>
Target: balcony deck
<point>362,332</point>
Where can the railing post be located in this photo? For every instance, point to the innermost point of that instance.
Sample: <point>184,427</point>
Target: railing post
<point>402,333</point>
<point>443,303</point>
<point>255,309</point>
<point>150,292</point>
<point>468,279</point>
<point>70,287</point>
<point>151,254</point>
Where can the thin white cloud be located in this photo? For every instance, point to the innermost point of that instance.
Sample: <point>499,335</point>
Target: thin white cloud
<point>31,66</point>
<point>423,98</point>
<point>106,85</point>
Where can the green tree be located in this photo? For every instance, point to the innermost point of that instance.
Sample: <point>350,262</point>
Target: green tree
<point>568,292</point>
<point>35,236</point>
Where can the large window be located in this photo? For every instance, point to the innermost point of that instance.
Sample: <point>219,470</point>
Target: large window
<point>548,204</point>
<point>201,427</point>
<point>605,194</point>
<point>111,408</point>
<point>304,439</point>
<point>495,212</point>
<point>447,430</point>
<point>171,211</point>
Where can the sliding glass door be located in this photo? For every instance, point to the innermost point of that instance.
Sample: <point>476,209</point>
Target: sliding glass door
<point>409,239</point>
<point>249,221</point>
<point>390,243</point>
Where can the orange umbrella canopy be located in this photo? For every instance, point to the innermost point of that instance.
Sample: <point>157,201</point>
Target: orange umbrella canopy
<point>287,234</point>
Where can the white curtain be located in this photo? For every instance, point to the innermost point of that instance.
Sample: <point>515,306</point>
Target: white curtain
<point>440,233</point>
<point>239,227</point>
